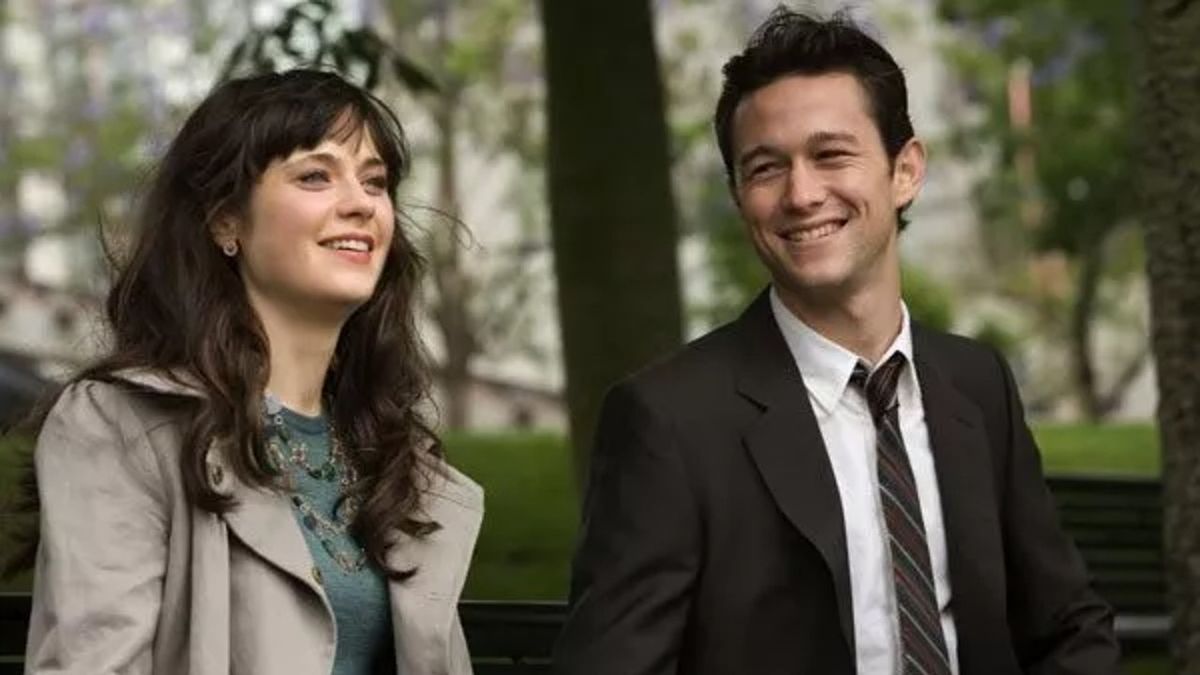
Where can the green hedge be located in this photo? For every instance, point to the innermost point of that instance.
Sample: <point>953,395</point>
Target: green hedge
<point>524,549</point>
<point>532,512</point>
<point>1123,449</point>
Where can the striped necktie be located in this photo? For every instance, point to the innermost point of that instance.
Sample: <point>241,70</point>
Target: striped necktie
<point>922,644</point>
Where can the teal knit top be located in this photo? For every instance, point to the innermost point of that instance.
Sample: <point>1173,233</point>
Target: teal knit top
<point>356,588</point>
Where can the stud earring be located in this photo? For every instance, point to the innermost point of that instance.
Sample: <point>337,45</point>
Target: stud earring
<point>230,248</point>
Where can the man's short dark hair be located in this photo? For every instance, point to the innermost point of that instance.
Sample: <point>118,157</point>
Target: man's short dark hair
<point>792,43</point>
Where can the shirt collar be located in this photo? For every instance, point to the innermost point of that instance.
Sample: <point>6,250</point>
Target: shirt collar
<point>825,365</point>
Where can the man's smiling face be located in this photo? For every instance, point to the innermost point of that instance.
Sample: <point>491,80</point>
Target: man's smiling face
<point>815,186</point>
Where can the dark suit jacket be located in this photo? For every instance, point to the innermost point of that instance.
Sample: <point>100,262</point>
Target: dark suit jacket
<point>713,540</point>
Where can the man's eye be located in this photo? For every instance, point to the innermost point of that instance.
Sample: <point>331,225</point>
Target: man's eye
<point>763,169</point>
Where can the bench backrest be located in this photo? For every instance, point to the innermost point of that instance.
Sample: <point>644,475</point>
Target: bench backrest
<point>1117,523</point>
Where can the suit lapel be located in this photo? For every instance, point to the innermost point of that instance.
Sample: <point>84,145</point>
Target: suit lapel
<point>785,444</point>
<point>965,482</point>
<point>424,607</point>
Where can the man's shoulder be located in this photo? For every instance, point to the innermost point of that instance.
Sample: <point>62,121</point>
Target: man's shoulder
<point>952,349</point>
<point>703,364</point>
<point>974,368</point>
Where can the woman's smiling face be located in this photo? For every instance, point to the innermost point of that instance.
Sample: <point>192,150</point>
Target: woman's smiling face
<point>317,229</point>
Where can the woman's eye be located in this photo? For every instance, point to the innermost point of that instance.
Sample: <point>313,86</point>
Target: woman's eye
<point>314,177</point>
<point>377,183</point>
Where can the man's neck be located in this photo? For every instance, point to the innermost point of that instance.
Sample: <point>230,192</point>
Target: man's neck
<point>865,322</point>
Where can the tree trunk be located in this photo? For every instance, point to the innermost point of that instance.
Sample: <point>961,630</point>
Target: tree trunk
<point>1169,93</point>
<point>452,306</point>
<point>1083,309</point>
<point>452,310</point>
<point>612,212</point>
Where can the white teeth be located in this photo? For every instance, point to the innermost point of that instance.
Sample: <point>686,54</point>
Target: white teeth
<point>814,233</point>
<point>348,245</point>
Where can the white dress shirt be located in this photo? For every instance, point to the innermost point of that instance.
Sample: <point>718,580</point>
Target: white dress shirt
<point>849,436</point>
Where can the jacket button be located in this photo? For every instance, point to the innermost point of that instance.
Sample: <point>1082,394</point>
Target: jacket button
<point>216,474</point>
<point>317,577</point>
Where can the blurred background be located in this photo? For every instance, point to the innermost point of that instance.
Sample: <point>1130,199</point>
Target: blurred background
<point>1025,236</point>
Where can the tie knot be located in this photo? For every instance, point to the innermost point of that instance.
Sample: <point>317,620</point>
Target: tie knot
<point>879,387</point>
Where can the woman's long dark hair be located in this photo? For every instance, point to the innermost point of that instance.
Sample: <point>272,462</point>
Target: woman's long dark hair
<point>178,305</point>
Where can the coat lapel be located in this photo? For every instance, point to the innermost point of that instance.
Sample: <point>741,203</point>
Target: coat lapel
<point>262,519</point>
<point>424,607</point>
<point>963,459</point>
<point>785,444</point>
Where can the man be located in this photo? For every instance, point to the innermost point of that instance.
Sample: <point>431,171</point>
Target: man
<point>824,487</point>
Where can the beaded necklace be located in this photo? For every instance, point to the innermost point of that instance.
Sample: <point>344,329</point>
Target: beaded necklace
<point>290,456</point>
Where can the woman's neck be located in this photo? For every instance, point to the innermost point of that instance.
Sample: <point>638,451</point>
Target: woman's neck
<point>301,349</point>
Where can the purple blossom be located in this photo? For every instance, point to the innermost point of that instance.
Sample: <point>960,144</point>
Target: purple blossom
<point>94,109</point>
<point>79,152</point>
<point>95,20</point>
<point>996,31</point>
<point>1080,45</point>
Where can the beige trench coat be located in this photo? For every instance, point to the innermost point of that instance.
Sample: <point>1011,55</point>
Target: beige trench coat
<point>132,579</point>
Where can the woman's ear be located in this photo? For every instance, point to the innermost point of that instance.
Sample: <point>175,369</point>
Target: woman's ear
<point>224,232</point>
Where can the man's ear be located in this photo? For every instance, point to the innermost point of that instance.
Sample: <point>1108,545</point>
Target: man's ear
<point>908,173</point>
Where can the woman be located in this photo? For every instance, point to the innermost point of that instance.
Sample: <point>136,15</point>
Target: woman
<point>246,484</point>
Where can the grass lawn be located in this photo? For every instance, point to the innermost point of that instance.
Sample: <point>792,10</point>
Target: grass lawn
<point>525,545</point>
<point>1123,449</point>
<point>524,550</point>
<point>526,541</point>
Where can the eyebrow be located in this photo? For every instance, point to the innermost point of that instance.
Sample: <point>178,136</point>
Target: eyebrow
<point>831,137</point>
<point>330,159</point>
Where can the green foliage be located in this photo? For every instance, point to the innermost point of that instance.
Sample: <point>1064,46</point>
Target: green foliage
<point>928,301</point>
<point>992,332</point>
<point>1081,105</point>
<point>1057,189</point>
<point>14,454</point>
<point>737,273</point>
<point>1146,664</point>
<point>35,153</point>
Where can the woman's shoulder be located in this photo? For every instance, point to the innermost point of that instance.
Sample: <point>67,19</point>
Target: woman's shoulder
<point>449,483</point>
<point>127,402</point>
<point>107,427</point>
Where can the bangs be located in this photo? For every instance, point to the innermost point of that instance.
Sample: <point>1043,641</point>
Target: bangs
<point>288,121</point>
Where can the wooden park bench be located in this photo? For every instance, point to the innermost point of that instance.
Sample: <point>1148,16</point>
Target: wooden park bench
<point>1116,522</point>
<point>1117,525</point>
